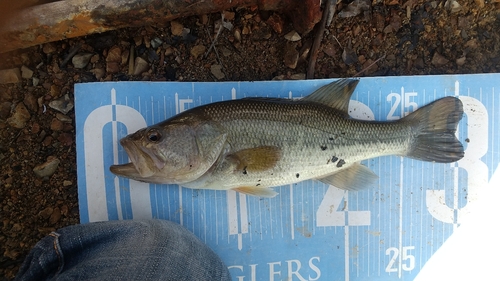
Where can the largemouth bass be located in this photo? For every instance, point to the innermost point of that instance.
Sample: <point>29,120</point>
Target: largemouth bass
<point>253,144</point>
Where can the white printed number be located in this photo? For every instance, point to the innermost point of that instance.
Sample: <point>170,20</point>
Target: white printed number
<point>407,260</point>
<point>406,105</point>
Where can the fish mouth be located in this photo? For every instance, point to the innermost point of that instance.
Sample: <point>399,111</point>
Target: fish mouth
<point>142,163</point>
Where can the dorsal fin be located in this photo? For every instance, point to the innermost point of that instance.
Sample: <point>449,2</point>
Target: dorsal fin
<point>336,94</point>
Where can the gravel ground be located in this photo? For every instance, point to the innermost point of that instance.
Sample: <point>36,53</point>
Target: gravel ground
<point>38,191</point>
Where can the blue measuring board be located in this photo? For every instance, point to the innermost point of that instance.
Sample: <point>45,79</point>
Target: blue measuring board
<point>310,231</point>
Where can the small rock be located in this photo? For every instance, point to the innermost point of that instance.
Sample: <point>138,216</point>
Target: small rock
<point>46,213</point>
<point>63,118</point>
<point>48,168</point>
<point>67,183</point>
<point>225,51</point>
<point>98,73</point>
<point>55,91</point>
<point>12,75</point>
<point>453,6</point>
<point>16,228</point>
<point>169,51</point>
<point>198,50</point>
<point>31,102</point>
<point>56,124</point>
<point>156,42</point>
<point>81,60</point>
<point>125,56</point>
<point>228,15</point>
<point>329,50</point>
<point>479,3</point>
<point>49,48</point>
<point>298,76</point>
<point>216,70</point>
<point>176,28</point>
<point>20,116</point>
<point>291,56</point>
<point>5,109</point>
<point>237,34</point>
<point>204,19</point>
<point>138,40</point>
<point>113,60</point>
<point>140,66</point>
<point>55,216</point>
<point>245,30</point>
<point>26,73</point>
<point>63,104</point>
<point>460,61</point>
<point>438,59</point>
<point>292,36</point>
<point>276,22</point>
<point>36,81</point>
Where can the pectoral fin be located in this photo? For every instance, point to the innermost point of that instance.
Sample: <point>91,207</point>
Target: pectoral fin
<point>257,191</point>
<point>356,177</point>
<point>256,159</point>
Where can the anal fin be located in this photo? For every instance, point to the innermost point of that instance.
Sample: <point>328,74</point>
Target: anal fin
<point>257,191</point>
<point>356,177</point>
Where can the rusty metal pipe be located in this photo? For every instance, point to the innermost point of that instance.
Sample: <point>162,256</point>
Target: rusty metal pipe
<point>72,18</point>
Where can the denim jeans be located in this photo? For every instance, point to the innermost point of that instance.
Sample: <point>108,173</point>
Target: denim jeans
<point>122,250</point>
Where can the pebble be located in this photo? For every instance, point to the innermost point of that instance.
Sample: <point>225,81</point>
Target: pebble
<point>125,56</point>
<point>198,50</point>
<point>63,104</point>
<point>453,6</point>
<point>156,42</point>
<point>176,28</point>
<point>113,60</point>
<point>63,118</point>
<point>216,70</point>
<point>36,81</point>
<point>56,124</point>
<point>49,48</point>
<point>20,116</point>
<point>55,91</point>
<point>292,36</point>
<point>140,66</point>
<point>48,168</point>
<point>276,22</point>
<point>67,183</point>
<point>12,75</point>
<point>298,76</point>
<point>46,213</point>
<point>460,61</point>
<point>438,59</point>
<point>237,34</point>
<point>228,15</point>
<point>291,56</point>
<point>5,109</point>
<point>81,60</point>
<point>26,73</point>
<point>98,73</point>
<point>55,216</point>
<point>31,102</point>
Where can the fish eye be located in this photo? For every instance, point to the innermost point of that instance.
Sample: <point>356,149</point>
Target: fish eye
<point>154,135</point>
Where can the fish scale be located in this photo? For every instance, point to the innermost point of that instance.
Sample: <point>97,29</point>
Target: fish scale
<point>252,144</point>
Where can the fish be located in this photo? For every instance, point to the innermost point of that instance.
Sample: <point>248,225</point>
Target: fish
<point>251,145</point>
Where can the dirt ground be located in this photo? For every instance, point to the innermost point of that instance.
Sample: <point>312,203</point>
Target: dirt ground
<point>38,187</point>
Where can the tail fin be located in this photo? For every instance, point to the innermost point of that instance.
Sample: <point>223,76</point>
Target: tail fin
<point>434,127</point>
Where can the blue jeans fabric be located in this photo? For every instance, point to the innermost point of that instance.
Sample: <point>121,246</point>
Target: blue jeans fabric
<point>122,250</point>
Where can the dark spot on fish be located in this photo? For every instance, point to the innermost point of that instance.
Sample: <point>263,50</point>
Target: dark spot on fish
<point>467,140</point>
<point>340,163</point>
<point>259,180</point>
<point>297,175</point>
<point>330,138</point>
<point>272,174</point>
<point>190,166</point>
<point>343,133</point>
<point>323,147</point>
<point>334,159</point>
<point>257,184</point>
<point>245,170</point>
